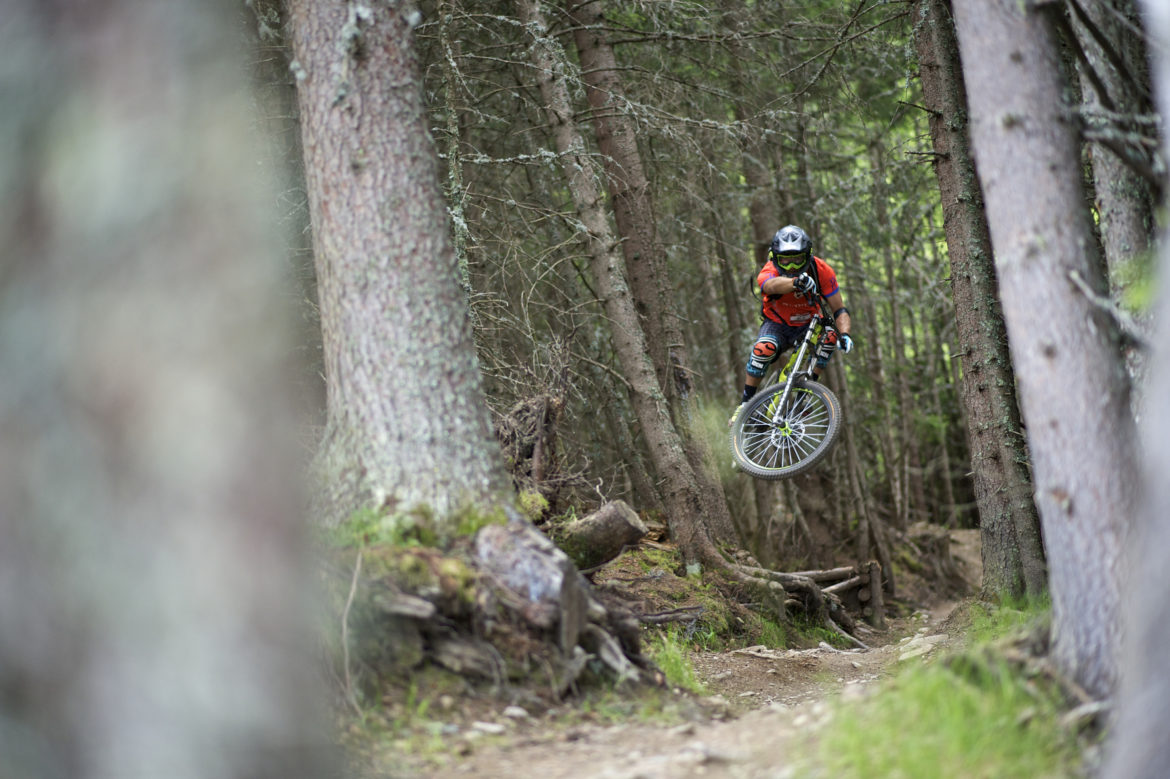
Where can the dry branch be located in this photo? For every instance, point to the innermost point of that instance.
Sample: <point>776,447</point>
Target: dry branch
<point>830,575</point>
<point>847,584</point>
<point>349,696</point>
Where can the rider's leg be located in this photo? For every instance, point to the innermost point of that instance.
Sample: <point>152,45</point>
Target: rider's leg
<point>824,354</point>
<point>772,341</point>
<point>763,355</point>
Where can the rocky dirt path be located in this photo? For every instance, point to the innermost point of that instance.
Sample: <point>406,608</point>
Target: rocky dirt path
<point>759,702</point>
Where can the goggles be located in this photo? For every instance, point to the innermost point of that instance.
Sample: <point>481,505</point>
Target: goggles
<point>794,261</point>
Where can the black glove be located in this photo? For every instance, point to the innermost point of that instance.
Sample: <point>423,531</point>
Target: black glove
<point>845,342</point>
<point>804,284</point>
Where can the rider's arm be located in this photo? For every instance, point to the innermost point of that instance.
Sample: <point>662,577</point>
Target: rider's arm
<point>843,322</point>
<point>778,285</point>
<point>841,319</point>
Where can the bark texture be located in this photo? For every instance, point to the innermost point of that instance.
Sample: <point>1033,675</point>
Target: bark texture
<point>407,425</point>
<point>1073,386</point>
<point>680,492</point>
<point>1013,552</point>
<point>1139,748</point>
<point>1114,83</point>
<point>151,617</point>
<point>645,257</point>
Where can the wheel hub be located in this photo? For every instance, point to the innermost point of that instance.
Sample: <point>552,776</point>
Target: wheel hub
<point>785,431</point>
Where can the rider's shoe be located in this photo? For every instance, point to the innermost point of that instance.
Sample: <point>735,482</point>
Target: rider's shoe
<point>735,414</point>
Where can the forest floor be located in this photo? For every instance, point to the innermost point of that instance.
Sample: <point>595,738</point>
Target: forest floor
<point>756,706</point>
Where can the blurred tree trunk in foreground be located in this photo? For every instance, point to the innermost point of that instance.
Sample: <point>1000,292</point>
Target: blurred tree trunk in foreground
<point>1013,551</point>
<point>1073,386</point>
<point>407,425</point>
<point>1140,749</point>
<point>152,587</point>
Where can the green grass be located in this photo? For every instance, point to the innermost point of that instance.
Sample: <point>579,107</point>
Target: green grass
<point>671,654</point>
<point>934,722</point>
<point>611,707</point>
<point>772,634</point>
<point>990,622</point>
<point>972,715</point>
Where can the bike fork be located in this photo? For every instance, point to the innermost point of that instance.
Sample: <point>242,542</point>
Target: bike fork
<point>776,417</point>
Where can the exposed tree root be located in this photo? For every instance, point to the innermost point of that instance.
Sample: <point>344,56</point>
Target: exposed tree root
<point>509,603</point>
<point>821,606</point>
<point>506,605</point>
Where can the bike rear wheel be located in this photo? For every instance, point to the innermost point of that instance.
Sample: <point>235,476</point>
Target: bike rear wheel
<point>801,435</point>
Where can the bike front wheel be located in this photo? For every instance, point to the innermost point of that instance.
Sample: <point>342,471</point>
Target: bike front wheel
<point>769,442</point>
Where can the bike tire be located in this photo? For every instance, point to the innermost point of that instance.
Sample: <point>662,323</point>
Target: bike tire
<point>769,451</point>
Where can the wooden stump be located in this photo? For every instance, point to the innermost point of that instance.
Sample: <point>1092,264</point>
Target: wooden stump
<point>601,536</point>
<point>874,606</point>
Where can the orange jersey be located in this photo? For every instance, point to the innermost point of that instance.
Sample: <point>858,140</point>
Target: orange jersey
<point>792,308</point>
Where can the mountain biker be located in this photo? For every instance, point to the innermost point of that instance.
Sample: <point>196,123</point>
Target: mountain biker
<point>790,281</point>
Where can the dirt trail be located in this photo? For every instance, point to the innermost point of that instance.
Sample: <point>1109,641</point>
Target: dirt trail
<point>760,700</point>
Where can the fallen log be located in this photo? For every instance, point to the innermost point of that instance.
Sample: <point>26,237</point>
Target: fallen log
<point>844,586</point>
<point>830,575</point>
<point>600,536</point>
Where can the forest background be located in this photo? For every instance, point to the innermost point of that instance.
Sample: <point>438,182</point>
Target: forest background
<point>740,119</point>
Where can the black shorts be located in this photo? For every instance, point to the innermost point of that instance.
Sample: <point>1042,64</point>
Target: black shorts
<point>784,336</point>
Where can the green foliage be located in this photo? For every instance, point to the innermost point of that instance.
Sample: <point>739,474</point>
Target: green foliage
<point>972,715</point>
<point>1137,281</point>
<point>669,651</point>
<point>712,426</point>
<point>606,705</point>
<point>651,559</point>
<point>991,622</point>
<point>532,504</point>
<point>413,710</point>
<point>470,519</point>
<point>979,721</point>
<point>370,527</point>
<point>808,632</point>
<point>772,634</point>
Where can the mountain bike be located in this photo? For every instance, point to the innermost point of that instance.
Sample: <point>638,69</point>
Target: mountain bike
<point>790,425</point>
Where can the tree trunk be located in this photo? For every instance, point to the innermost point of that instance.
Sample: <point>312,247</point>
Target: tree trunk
<point>1073,386</point>
<point>875,368</point>
<point>732,288</point>
<point>407,426</point>
<point>853,469</point>
<point>1013,553</point>
<point>680,489</point>
<point>153,616</point>
<point>1138,747</point>
<point>900,464</point>
<point>645,258</point>
<point>1124,200</point>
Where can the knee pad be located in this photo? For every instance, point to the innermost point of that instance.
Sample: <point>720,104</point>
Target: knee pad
<point>763,355</point>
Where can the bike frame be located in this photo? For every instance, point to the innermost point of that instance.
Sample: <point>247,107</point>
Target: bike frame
<point>810,335</point>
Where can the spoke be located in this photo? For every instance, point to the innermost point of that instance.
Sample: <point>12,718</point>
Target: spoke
<point>808,419</point>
